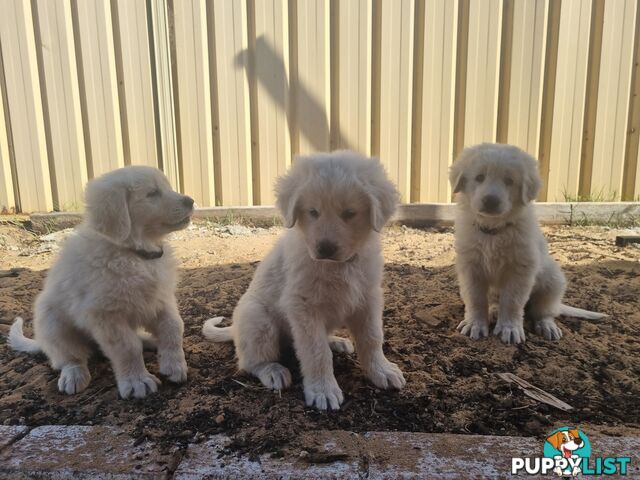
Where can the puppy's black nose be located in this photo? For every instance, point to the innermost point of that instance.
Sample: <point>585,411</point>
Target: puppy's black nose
<point>187,201</point>
<point>326,249</point>
<point>490,203</point>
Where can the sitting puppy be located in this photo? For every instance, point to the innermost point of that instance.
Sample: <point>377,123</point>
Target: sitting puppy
<point>500,247</point>
<point>114,277</point>
<point>324,273</point>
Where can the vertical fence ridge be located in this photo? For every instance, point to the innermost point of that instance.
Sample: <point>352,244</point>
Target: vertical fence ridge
<point>461,77</point>
<point>631,182</point>
<point>9,194</point>
<point>549,93</point>
<point>591,98</point>
<point>417,101</point>
<point>504,77</point>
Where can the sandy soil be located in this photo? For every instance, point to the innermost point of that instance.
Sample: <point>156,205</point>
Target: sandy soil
<point>451,381</point>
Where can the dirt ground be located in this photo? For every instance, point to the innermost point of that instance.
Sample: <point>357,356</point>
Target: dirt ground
<point>451,381</point>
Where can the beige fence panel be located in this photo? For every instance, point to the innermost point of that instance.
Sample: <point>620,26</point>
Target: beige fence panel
<point>231,44</point>
<point>311,76</point>
<point>353,96</point>
<point>568,116</point>
<point>483,62</point>
<point>17,39</point>
<point>62,101</point>
<point>193,87</point>
<point>272,84</point>
<point>7,195</point>
<point>166,132</point>
<point>438,99</point>
<point>99,85</point>
<point>526,74</point>
<point>614,93</point>
<point>222,94</point>
<point>396,82</point>
<point>136,99</point>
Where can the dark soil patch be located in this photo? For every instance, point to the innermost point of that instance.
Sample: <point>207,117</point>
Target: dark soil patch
<point>452,386</point>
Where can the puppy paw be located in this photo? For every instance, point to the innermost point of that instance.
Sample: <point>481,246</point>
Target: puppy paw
<point>174,367</point>
<point>548,329</point>
<point>274,376</point>
<point>474,329</point>
<point>138,385</point>
<point>510,333</point>
<point>73,379</point>
<point>324,395</point>
<point>386,374</point>
<point>339,344</point>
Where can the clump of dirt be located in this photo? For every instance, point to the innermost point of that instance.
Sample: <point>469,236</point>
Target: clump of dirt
<point>451,381</point>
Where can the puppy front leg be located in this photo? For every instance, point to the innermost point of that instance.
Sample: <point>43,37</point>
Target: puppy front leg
<point>474,290</point>
<point>311,344</point>
<point>513,298</point>
<point>122,346</point>
<point>168,330</point>
<point>366,327</point>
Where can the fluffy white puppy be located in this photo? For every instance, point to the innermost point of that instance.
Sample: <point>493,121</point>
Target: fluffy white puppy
<point>500,248</point>
<point>324,273</point>
<point>114,277</point>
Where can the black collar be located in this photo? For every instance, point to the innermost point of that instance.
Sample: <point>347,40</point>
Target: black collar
<point>146,254</point>
<point>492,231</point>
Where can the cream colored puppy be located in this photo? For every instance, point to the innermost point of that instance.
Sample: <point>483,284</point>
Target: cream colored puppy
<point>324,273</point>
<point>500,248</point>
<point>114,277</point>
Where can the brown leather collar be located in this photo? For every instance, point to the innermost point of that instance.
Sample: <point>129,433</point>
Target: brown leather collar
<point>492,231</point>
<point>148,255</point>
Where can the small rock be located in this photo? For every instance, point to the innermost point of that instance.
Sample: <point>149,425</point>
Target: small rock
<point>423,316</point>
<point>57,237</point>
<point>220,419</point>
<point>236,230</point>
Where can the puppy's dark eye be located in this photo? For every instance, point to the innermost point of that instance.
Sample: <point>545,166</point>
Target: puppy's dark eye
<point>508,181</point>
<point>480,178</point>
<point>314,213</point>
<point>348,214</point>
<point>154,193</point>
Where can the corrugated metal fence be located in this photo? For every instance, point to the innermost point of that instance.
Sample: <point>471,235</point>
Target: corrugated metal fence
<point>222,94</point>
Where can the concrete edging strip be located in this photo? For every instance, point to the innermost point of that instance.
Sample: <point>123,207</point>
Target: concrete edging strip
<point>413,214</point>
<point>99,452</point>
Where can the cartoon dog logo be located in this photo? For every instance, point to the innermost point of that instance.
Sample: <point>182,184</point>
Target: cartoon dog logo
<point>566,442</point>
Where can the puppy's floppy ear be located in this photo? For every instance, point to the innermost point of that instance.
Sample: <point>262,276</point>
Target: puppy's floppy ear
<point>107,209</point>
<point>288,188</point>
<point>456,178</point>
<point>574,434</point>
<point>456,171</point>
<point>382,193</point>
<point>555,440</point>
<point>531,181</point>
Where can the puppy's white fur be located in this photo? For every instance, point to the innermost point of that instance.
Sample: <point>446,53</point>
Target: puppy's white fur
<point>102,291</point>
<point>343,199</point>
<point>500,248</point>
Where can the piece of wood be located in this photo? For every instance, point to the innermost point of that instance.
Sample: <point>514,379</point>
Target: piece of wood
<point>624,240</point>
<point>535,392</point>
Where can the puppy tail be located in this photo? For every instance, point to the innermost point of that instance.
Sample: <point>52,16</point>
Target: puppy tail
<point>581,313</point>
<point>216,334</point>
<point>19,342</point>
